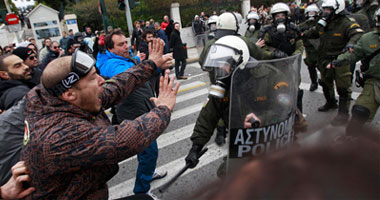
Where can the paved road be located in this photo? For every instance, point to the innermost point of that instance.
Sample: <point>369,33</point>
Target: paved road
<point>174,144</point>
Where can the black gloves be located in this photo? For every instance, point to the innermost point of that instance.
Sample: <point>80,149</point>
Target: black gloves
<point>192,158</point>
<point>279,54</point>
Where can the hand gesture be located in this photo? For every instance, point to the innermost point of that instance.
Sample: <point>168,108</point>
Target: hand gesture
<point>156,48</point>
<point>167,95</point>
<point>14,189</point>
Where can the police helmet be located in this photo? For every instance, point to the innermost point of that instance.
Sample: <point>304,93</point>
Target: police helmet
<point>312,8</point>
<point>252,15</point>
<point>229,50</point>
<point>227,24</point>
<point>227,21</point>
<point>280,8</point>
<point>336,5</point>
<point>212,20</point>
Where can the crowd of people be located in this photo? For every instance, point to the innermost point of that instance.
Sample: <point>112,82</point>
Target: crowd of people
<point>59,143</point>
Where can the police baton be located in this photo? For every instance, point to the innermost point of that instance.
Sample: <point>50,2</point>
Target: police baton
<point>187,166</point>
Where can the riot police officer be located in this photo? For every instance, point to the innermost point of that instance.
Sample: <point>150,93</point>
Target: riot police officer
<point>337,32</point>
<point>368,50</point>
<point>254,26</point>
<point>211,23</point>
<point>227,24</point>
<point>311,45</point>
<point>217,104</point>
<point>368,9</point>
<point>282,35</point>
<point>285,36</point>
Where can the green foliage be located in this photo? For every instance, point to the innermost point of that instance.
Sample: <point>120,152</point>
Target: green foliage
<point>88,14</point>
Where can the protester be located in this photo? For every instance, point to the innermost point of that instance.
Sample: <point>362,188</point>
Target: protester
<point>179,53</point>
<point>30,59</point>
<point>54,52</point>
<point>71,46</point>
<point>198,27</point>
<point>14,80</point>
<point>45,49</point>
<point>161,34</point>
<point>169,29</point>
<point>79,149</point>
<point>63,40</point>
<point>116,58</point>
<point>136,35</point>
<point>136,104</point>
<point>165,23</point>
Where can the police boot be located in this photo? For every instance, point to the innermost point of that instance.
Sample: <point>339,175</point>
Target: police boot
<point>313,77</point>
<point>330,101</point>
<point>221,133</point>
<point>344,103</point>
<point>360,115</point>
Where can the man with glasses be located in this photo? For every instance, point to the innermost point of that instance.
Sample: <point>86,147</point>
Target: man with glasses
<point>30,59</point>
<point>54,52</point>
<point>72,149</point>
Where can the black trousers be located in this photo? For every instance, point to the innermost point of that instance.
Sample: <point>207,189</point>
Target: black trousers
<point>180,72</point>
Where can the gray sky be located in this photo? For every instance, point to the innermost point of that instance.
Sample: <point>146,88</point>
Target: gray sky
<point>23,3</point>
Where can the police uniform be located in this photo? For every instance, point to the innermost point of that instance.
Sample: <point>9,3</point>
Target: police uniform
<point>253,36</point>
<point>288,42</point>
<point>215,109</point>
<point>291,43</point>
<point>311,46</point>
<point>341,32</point>
<point>369,100</point>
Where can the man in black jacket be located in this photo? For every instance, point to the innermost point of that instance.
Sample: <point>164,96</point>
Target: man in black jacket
<point>54,52</point>
<point>179,53</point>
<point>15,79</point>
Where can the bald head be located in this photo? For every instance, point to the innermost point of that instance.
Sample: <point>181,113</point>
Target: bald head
<point>56,71</point>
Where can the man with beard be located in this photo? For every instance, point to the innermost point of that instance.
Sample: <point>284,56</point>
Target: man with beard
<point>14,80</point>
<point>30,59</point>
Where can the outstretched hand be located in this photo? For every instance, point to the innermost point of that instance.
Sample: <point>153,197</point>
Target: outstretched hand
<point>167,95</point>
<point>156,49</point>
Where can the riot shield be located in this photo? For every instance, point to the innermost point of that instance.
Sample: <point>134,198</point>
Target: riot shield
<point>268,89</point>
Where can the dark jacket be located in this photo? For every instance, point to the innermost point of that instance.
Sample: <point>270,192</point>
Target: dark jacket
<point>12,91</point>
<point>161,34</point>
<point>169,29</point>
<point>138,102</point>
<point>11,137</point>
<point>143,48</point>
<point>177,46</point>
<point>71,153</point>
<point>48,58</point>
<point>198,27</point>
<point>136,37</point>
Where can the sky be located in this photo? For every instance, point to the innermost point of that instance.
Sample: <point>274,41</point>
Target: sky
<point>23,3</point>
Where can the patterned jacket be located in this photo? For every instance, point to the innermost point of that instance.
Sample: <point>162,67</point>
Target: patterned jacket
<point>70,153</point>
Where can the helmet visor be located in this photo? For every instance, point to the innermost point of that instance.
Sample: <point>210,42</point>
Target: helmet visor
<point>221,59</point>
